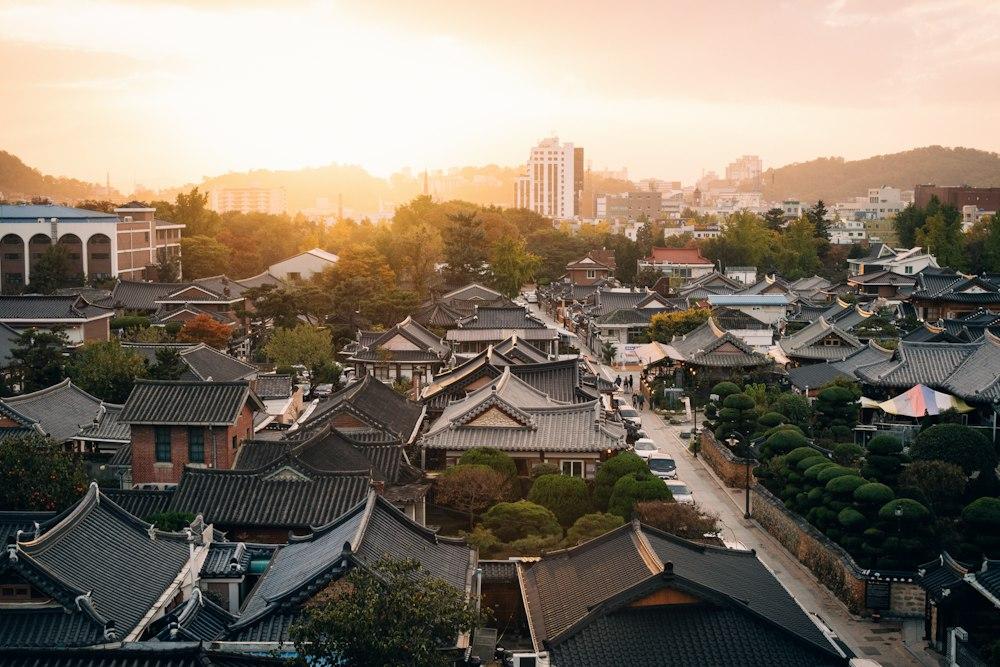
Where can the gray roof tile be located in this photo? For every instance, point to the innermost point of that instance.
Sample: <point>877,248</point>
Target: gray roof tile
<point>180,402</point>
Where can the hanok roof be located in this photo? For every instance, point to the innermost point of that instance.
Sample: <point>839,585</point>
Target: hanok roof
<point>728,607</point>
<point>595,259</point>
<point>188,312</point>
<point>137,654</point>
<point>885,277</point>
<point>286,494</point>
<point>713,282</point>
<point>260,280</point>
<point>142,503</point>
<point>949,286</point>
<point>808,342</point>
<point>190,403</point>
<point>142,296</point>
<point>814,376</point>
<point>709,345</point>
<point>106,427</point>
<point>274,386</point>
<point>19,213</point>
<point>520,351</point>
<point>679,256</point>
<point>49,308</point>
<point>361,537</point>
<point>610,300</point>
<point>60,411</point>
<point>436,313</point>
<point>972,326</point>
<point>30,523</point>
<point>730,318</point>
<point>331,450</point>
<point>374,403</point>
<point>198,619</point>
<point>405,341</point>
<point>96,564</point>
<point>931,333</point>
<point>748,300</point>
<point>472,292</point>
<point>970,371</point>
<point>511,415</point>
<point>232,560</point>
<point>203,361</point>
<point>488,317</point>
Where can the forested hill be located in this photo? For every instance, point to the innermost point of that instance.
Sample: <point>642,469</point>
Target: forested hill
<point>19,181</point>
<point>835,179</point>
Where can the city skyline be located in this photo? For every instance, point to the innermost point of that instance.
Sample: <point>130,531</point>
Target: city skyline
<point>165,93</point>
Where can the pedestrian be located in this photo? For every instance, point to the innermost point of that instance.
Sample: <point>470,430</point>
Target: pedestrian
<point>642,401</point>
<point>635,402</point>
<point>618,381</point>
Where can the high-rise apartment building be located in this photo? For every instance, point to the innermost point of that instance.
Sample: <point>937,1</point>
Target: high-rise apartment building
<point>745,169</point>
<point>553,182</point>
<point>247,200</point>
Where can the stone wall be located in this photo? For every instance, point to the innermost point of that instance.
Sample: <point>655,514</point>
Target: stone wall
<point>730,468</point>
<point>908,599</point>
<point>828,561</point>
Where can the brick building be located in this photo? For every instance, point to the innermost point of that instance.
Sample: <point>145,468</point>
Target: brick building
<point>985,199</point>
<point>177,423</point>
<point>597,265</point>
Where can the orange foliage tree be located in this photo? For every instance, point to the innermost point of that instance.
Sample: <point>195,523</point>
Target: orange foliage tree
<point>205,329</point>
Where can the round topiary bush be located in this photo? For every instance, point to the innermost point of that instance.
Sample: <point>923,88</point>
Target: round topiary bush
<point>812,473</point>
<point>847,453</point>
<point>515,521</point>
<point>845,486</point>
<point>540,469</point>
<point>885,445</point>
<point>784,442</point>
<point>873,493</point>
<point>829,473</point>
<point>793,457</point>
<point>807,463</point>
<point>783,427</point>
<point>983,512</point>
<point>771,419</point>
<point>851,519</point>
<point>953,443</point>
<point>617,466</point>
<point>630,489</point>
<point>492,458</point>
<point>565,495</point>
<point>910,511</point>
<point>724,389</point>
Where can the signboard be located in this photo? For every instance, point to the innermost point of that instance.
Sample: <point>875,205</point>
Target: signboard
<point>878,594</point>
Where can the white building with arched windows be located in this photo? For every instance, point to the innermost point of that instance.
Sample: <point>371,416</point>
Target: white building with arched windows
<point>101,245</point>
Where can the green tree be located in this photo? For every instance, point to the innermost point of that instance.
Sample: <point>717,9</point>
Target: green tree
<point>953,443</point>
<point>168,365</point>
<point>981,526</point>
<point>884,459</point>
<point>907,223</point>
<point>624,463</point>
<point>664,326</point>
<point>465,248</point>
<point>204,256</point>
<point>774,218</point>
<point>795,408</point>
<point>106,370</point>
<point>167,267</point>
<point>390,613</point>
<point>782,442</point>
<point>737,415</point>
<point>512,265</point>
<point>991,249</point>
<point>38,475</point>
<point>744,241</point>
<point>417,251</point>
<point>941,483</point>
<point>837,412</point>
<point>471,489</point>
<point>39,359</point>
<point>494,458</point>
<point>633,488</point>
<point>798,253</point>
<point>817,216</point>
<point>306,345</point>
<point>943,237</point>
<point>519,520</point>
<point>566,496</point>
<point>54,269</point>
<point>191,209</point>
<point>589,526</point>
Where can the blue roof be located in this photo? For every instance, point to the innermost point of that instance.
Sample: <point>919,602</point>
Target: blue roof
<point>32,212</point>
<point>748,300</point>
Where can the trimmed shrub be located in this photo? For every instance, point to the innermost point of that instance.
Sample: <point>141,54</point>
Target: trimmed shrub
<point>783,442</point>
<point>589,526</point>
<point>492,458</point>
<point>851,519</point>
<point>807,463</point>
<point>793,457</point>
<point>845,486</point>
<point>833,471</point>
<point>981,525</point>
<point>540,469</point>
<point>516,521</point>
<point>954,443</point>
<point>912,511</point>
<point>566,496</point>
<point>724,389</point>
<point>625,463</point>
<point>812,473</point>
<point>796,409</point>
<point>783,427</point>
<point>847,453</point>
<point>873,494</point>
<point>634,488</point>
<point>127,322</point>
<point>771,419</point>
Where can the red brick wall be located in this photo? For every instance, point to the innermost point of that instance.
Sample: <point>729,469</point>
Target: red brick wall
<point>146,470</point>
<point>97,330</point>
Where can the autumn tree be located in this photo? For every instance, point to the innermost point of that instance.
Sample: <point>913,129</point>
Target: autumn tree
<point>664,326</point>
<point>203,328</point>
<point>511,265</point>
<point>685,520</point>
<point>390,612</point>
<point>204,256</point>
<point>470,489</point>
<point>36,474</point>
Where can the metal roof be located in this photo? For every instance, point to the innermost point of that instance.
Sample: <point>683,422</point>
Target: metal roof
<point>20,213</point>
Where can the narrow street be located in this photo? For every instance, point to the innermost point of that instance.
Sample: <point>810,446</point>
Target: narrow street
<point>882,642</point>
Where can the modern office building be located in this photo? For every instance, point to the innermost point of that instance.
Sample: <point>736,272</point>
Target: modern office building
<point>100,245</point>
<point>745,169</point>
<point>959,196</point>
<point>628,205</point>
<point>553,181</point>
<point>247,200</point>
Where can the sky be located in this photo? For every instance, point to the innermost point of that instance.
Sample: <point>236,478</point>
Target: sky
<point>162,93</point>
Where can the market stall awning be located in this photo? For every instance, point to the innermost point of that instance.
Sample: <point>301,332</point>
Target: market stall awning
<point>921,400</point>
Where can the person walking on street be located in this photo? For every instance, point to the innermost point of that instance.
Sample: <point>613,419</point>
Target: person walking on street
<point>642,400</point>
<point>618,381</point>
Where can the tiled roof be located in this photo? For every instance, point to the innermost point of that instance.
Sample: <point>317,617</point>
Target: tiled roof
<point>803,343</point>
<point>107,427</point>
<point>953,287</point>
<point>181,402</point>
<point>970,371</point>
<point>101,552</point>
<point>142,296</point>
<point>426,345</point>
<point>730,318</point>
<point>260,280</point>
<point>708,345</point>
<point>61,410</point>
<point>223,555</point>
<point>610,300</point>
<point>286,494</point>
<point>138,654</point>
<point>568,592</point>
<point>360,537</point>
<point>496,335</point>
<point>521,351</point>
<point>816,375</point>
<point>472,292</point>
<point>516,317</point>
<point>11,522</point>
<point>538,423</point>
<point>941,575</point>
<point>35,307</point>
<point>438,314</point>
<point>203,361</point>
<point>679,256</point>
<point>141,503</point>
<point>628,317</point>
<point>374,402</point>
<point>274,386</point>
<point>197,619</point>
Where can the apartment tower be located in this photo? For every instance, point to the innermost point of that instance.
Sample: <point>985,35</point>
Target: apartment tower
<point>553,182</point>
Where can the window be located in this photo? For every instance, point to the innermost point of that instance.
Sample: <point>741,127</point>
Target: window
<point>235,442</point>
<point>591,273</point>
<point>161,436</point>
<point>196,445</point>
<point>909,269</point>
<point>572,468</point>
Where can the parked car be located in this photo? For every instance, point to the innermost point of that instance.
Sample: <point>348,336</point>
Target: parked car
<point>645,448</point>
<point>684,435</point>
<point>531,297</point>
<point>323,390</point>
<point>680,490</point>
<point>663,467</point>
<point>629,414</point>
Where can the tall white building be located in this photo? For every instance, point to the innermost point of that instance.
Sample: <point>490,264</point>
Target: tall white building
<point>553,182</point>
<point>745,169</point>
<point>247,200</point>
<point>881,203</point>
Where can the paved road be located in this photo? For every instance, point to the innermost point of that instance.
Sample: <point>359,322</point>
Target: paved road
<point>883,643</point>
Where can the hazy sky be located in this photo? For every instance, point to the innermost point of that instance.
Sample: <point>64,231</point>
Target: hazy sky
<point>162,93</point>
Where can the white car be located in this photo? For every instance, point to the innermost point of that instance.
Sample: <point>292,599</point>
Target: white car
<point>663,467</point>
<point>531,297</point>
<point>645,448</point>
<point>323,390</point>
<point>680,490</point>
<point>629,414</point>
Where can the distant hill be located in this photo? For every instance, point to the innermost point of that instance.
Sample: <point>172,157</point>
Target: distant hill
<point>18,181</point>
<point>835,179</point>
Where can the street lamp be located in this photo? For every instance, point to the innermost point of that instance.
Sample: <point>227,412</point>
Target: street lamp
<point>733,440</point>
